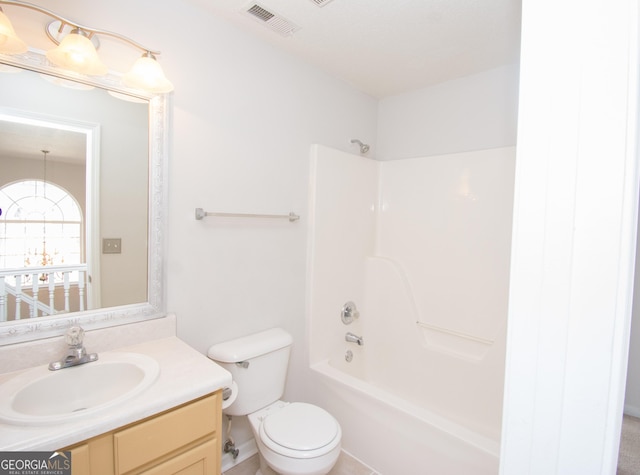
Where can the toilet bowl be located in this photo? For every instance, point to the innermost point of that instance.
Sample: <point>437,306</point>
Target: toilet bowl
<point>296,438</point>
<point>293,438</point>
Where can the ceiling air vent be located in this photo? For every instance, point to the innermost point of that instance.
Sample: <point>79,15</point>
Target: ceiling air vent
<point>271,20</point>
<point>321,3</point>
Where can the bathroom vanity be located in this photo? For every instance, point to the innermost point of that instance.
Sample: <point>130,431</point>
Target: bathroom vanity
<point>181,440</point>
<point>172,426</point>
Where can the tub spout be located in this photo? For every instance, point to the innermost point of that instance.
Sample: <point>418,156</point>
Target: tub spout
<point>351,338</point>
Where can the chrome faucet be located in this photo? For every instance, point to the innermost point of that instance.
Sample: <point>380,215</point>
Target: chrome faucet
<point>76,353</point>
<point>352,338</point>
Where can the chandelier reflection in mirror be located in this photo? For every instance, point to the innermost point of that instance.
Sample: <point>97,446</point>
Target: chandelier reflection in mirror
<point>76,50</point>
<point>35,256</point>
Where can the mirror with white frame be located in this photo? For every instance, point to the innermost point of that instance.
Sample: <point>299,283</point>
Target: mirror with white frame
<point>116,288</point>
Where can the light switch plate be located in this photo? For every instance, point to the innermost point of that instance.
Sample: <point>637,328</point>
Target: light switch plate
<point>111,245</point>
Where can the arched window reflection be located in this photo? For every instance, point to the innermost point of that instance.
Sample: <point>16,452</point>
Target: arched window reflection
<point>40,225</point>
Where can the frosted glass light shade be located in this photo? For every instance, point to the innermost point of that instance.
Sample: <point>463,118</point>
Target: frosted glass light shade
<point>146,74</point>
<point>76,53</point>
<point>9,41</point>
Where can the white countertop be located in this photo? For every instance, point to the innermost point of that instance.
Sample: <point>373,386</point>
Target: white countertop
<point>185,374</point>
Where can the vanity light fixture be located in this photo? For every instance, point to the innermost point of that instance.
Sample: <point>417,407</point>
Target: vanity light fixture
<point>76,50</point>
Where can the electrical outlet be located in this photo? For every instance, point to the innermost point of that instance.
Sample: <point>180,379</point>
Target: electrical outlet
<point>111,245</point>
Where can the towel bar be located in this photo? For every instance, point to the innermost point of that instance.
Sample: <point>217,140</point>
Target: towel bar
<point>200,214</point>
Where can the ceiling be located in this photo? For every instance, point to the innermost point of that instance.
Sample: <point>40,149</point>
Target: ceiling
<point>26,141</point>
<point>387,47</point>
<point>382,47</point>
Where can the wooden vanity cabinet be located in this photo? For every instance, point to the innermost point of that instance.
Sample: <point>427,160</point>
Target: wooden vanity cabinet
<point>184,440</point>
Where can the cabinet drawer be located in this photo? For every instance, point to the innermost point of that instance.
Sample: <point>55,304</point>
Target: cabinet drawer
<point>163,434</point>
<point>201,460</point>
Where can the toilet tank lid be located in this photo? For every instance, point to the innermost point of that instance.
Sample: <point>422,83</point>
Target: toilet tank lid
<point>247,347</point>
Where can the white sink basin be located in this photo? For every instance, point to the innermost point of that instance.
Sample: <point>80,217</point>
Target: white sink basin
<point>39,396</point>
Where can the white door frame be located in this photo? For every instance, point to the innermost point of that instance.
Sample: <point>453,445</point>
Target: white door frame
<point>574,237</point>
<point>92,176</point>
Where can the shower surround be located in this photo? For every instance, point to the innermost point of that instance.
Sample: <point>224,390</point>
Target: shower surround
<point>422,246</point>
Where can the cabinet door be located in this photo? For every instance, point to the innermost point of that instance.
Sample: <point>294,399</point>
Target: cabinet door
<point>80,462</point>
<point>143,443</point>
<point>92,457</point>
<point>200,460</point>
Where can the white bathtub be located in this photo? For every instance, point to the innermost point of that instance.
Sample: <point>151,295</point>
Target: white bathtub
<point>396,437</point>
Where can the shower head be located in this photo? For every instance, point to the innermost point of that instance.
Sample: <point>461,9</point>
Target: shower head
<point>364,148</point>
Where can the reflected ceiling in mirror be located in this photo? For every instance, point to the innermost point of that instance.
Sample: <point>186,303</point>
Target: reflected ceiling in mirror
<point>137,292</point>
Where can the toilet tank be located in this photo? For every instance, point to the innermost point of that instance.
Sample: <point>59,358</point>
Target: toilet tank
<point>258,365</point>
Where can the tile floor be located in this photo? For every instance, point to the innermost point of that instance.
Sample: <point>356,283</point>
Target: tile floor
<point>346,465</point>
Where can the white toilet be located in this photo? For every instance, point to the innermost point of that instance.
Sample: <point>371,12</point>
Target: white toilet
<point>292,438</point>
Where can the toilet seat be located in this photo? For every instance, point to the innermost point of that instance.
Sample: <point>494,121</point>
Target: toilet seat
<point>300,430</point>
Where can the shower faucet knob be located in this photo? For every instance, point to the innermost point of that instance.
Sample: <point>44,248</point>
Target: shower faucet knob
<point>349,313</point>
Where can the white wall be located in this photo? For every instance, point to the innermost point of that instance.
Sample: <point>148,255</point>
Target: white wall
<point>471,113</point>
<point>632,394</point>
<point>244,121</point>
